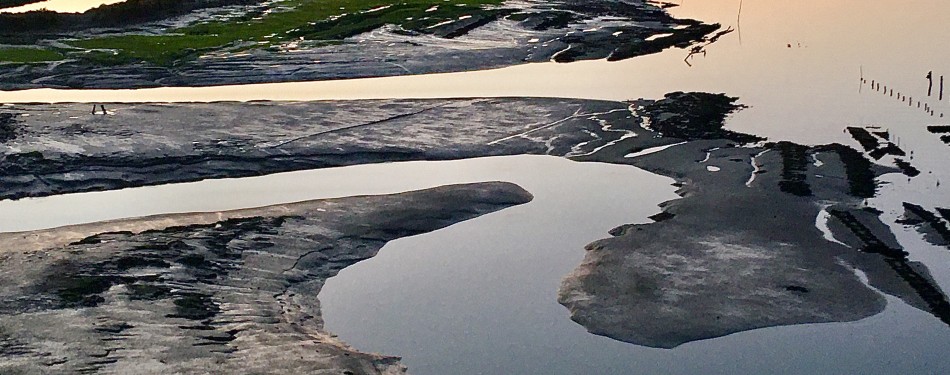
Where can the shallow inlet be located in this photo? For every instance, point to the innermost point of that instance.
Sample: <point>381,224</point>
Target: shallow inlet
<point>586,187</point>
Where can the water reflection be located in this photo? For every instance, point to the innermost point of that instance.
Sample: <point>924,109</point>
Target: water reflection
<point>796,64</point>
<point>537,172</point>
<point>809,86</point>
<point>62,6</point>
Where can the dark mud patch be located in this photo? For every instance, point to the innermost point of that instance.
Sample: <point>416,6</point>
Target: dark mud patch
<point>8,130</point>
<point>906,168</point>
<point>861,173</point>
<point>876,144</point>
<point>694,116</point>
<point>871,243</point>
<point>795,165</point>
<point>689,277</point>
<point>933,227</point>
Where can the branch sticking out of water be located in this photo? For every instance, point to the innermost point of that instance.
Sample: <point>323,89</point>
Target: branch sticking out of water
<point>700,48</point>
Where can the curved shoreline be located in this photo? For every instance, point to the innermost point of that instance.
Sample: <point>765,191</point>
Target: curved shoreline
<point>454,129</point>
<point>228,290</point>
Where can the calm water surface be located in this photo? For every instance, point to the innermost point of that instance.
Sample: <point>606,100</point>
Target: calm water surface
<point>799,66</point>
<point>62,6</point>
<point>479,297</point>
<point>535,173</point>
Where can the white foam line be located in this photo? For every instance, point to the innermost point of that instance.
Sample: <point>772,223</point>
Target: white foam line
<point>652,150</point>
<point>611,143</point>
<point>755,168</point>
<point>554,56</point>
<point>821,222</point>
<point>708,155</point>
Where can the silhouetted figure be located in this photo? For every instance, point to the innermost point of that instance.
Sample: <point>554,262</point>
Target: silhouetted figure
<point>930,85</point>
<point>103,107</point>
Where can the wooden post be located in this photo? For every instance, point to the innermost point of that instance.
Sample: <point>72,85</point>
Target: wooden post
<point>941,88</point>
<point>930,85</point>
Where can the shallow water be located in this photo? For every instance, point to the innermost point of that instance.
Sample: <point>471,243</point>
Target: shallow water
<point>808,93</point>
<point>813,88</point>
<point>479,296</point>
<point>573,182</point>
<point>62,6</point>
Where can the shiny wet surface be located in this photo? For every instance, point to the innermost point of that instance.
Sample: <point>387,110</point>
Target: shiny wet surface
<point>446,300</point>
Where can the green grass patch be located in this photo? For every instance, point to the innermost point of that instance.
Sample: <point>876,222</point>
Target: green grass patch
<point>314,20</point>
<point>28,55</point>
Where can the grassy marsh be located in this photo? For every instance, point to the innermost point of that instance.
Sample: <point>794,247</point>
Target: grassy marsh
<point>28,55</point>
<point>314,20</point>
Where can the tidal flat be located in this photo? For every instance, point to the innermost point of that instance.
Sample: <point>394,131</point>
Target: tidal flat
<point>631,235</point>
<point>687,277</point>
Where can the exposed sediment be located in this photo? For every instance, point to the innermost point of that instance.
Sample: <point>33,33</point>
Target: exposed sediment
<point>930,224</point>
<point>365,44</point>
<point>63,148</point>
<point>740,251</point>
<point>227,292</point>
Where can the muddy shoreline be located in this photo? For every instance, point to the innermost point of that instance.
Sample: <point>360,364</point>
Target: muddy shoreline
<point>739,251</point>
<point>765,233</point>
<point>63,148</point>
